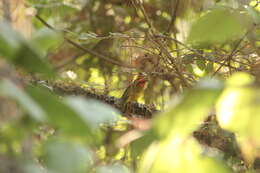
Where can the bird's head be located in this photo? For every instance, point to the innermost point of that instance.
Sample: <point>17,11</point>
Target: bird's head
<point>141,80</point>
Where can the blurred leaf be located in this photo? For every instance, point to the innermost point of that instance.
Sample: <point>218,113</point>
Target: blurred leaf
<point>32,167</point>
<point>45,39</point>
<point>9,43</point>
<point>177,154</point>
<point>187,115</point>
<point>93,112</point>
<point>29,59</point>
<point>254,14</point>
<point>217,26</point>
<point>7,88</point>
<point>240,79</point>
<point>116,168</point>
<point>238,110</point>
<point>66,157</point>
<point>12,139</point>
<point>19,52</point>
<point>52,8</point>
<point>141,144</point>
<point>60,114</point>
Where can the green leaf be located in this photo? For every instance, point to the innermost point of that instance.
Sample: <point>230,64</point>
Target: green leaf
<point>93,112</point>
<point>116,168</point>
<point>254,14</point>
<point>19,52</point>
<point>178,154</point>
<point>238,108</point>
<point>32,167</point>
<point>66,157</point>
<point>187,115</point>
<point>29,59</point>
<point>141,144</point>
<point>7,88</point>
<point>45,39</point>
<point>217,26</point>
<point>59,9</point>
<point>59,113</point>
<point>9,42</point>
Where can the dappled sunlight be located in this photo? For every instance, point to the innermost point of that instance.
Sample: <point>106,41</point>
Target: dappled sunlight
<point>120,86</point>
<point>71,74</point>
<point>198,71</point>
<point>226,108</point>
<point>177,154</point>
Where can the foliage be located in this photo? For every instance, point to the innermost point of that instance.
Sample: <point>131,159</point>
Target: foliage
<point>191,52</point>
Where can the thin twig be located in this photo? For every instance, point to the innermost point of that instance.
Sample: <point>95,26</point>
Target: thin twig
<point>157,42</point>
<point>139,47</point>
<point>146,18</point>
<point>195,51</point>
<point>169,56</point>
<point>229,58</point>
<point>87,50</point>
<point>174,16</point>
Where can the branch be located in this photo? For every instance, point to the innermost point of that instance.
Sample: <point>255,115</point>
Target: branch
<point>84,49</point>
<point>66,89</point>
<point>209,134</point>
<point>195,51</point>
<point>174,16</point>
<point>229,58</point>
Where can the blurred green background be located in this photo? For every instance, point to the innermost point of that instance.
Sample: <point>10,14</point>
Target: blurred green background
<point>202,61</point>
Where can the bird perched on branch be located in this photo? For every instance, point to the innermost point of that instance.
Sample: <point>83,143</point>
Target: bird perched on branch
<point>133,91</point>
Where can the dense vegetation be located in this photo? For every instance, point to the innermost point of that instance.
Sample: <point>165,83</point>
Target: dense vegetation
<point>65,64</point>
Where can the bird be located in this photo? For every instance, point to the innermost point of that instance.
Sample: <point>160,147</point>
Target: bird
<point>133,92</point>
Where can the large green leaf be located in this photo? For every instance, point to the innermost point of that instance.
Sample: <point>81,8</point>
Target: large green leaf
<point>173,127</point>
<point>9,43</point>
<point>177,154</point>
<point>218,26</point>
<point>140,145</point>
<point>59,113</point>
<point>187,115</point>
<point>238,110</point>
<point>7,88</point>
<point>93,112</point>
<point>73,115</point>
<point>20,52</point>
<point>116,168</point>
<point>254,14</point>
<point>66,157</point>
<point>45,39</point>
